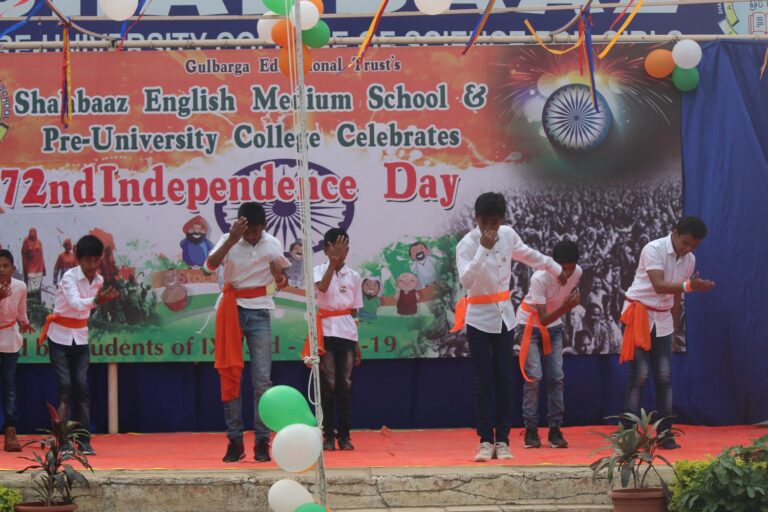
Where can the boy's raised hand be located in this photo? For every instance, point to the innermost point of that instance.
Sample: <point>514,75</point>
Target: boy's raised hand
<point>488,238</point>
<point>701,285</point>
<point>5,290</point>
<point>106,295</point>
<point>238,229</point>
<point>338,250</point>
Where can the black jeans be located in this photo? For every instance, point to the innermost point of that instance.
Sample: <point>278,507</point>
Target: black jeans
<point>70,370</point>
<point>336,385</point>
<point>493,361</point>
<point>8,362</point>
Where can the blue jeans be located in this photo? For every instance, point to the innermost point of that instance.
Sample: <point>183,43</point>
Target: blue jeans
<point>8,361</point>
<point>258,334</point>
<point>70,371</point>
<point>553,364</point>
<point>658,361</point>
<point>493,359</point>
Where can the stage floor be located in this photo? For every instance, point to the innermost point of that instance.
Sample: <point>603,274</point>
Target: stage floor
<point>378,449</point>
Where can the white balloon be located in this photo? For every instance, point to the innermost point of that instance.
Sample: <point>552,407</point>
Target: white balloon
<point>433,7</point>
<point>297,447</point>
<point>686,54</point>
<point>118,10</point>
<point>309,14</point>
<point>265,25</point>
<point>287,495</point>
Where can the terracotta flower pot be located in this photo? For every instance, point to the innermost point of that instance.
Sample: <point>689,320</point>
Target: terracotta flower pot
<point>39,507</point>
<point>650,499</point>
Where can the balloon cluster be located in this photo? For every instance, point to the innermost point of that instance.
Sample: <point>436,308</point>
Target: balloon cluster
<point>296,447</point>
<point>279,27</point>
<point>118,10</point>
<point>681,63</point>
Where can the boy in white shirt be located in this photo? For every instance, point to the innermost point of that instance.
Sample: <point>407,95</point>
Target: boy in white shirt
<point>339,296</point>
<point>66,330</point>
<point>13,311</point>
<point>252,260</point>
<point>651,312</point>
<point>484,261</point>
<point>540,327</point>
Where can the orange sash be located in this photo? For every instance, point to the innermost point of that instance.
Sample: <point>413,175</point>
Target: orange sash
<point>69,323</point>
<point>461,306</point>
<point>8,325</point>
<point>525,344</point>
<point>637,333</point>
<point>322,313</point>
<point>228,355</point>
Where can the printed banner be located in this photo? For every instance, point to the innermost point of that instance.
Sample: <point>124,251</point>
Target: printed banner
<point>164,146</point>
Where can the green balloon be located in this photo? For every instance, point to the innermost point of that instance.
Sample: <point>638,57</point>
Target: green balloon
<point>279,6</point>
<point>317,36</point>
<point>685,79</point>
<point>281,406</point>
<point>310,507</point>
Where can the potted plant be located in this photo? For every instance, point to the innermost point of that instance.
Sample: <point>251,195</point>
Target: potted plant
<point>52,474</point>
<point>8,499</point>
<point>634,456</point>
<point>736,480</point>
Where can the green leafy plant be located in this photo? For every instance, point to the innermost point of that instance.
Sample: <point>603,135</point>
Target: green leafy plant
<point>8,499</point>
<point>633,450</point>
<point>52,474</point>
<point>736,480</point>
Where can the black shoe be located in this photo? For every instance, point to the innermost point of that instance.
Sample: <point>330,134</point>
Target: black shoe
<point>556,439</point>
<point>669,444</point>
<point>261,451</point>
<point>329,444</point>
<point>532,439</point>
<point>345,444</point>
<point>86,448</point>
<point>235,452</point>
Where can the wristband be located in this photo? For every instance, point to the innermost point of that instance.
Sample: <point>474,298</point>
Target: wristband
<point>687,287</point>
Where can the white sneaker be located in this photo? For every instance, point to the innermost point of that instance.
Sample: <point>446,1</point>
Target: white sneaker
<point>484,452</point>
<point>502,451</point>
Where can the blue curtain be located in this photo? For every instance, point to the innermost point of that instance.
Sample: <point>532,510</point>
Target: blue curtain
<point>725,162</point>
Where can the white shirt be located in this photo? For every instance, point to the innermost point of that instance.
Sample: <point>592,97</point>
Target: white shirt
<point>425,271</point>
<point>487,272</point>
<point>660,255</point>
<point>247,266</point>
<point>13,309</point>
<point>344,292</point>
<point>74,299</point>
<point>546,289</point>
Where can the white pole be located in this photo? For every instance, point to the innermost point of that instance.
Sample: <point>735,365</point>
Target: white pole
<point>112,400</point>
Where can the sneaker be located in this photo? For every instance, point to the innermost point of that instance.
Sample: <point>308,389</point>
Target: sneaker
<point>261,451</point>
<point>669,444</point>
<point>484,453</point>
<point>556,439</point>
<point>235,452</point>
<point>345,444</point>
<point>329,444</point>
<point>502,451</point>
<point>532,439</point>
<point>86,448</point>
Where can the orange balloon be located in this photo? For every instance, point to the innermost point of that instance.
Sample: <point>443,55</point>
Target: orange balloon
<point>282,32</point>
<point>659,63</point>
<point>319,5</point>
<point>284,61</point>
